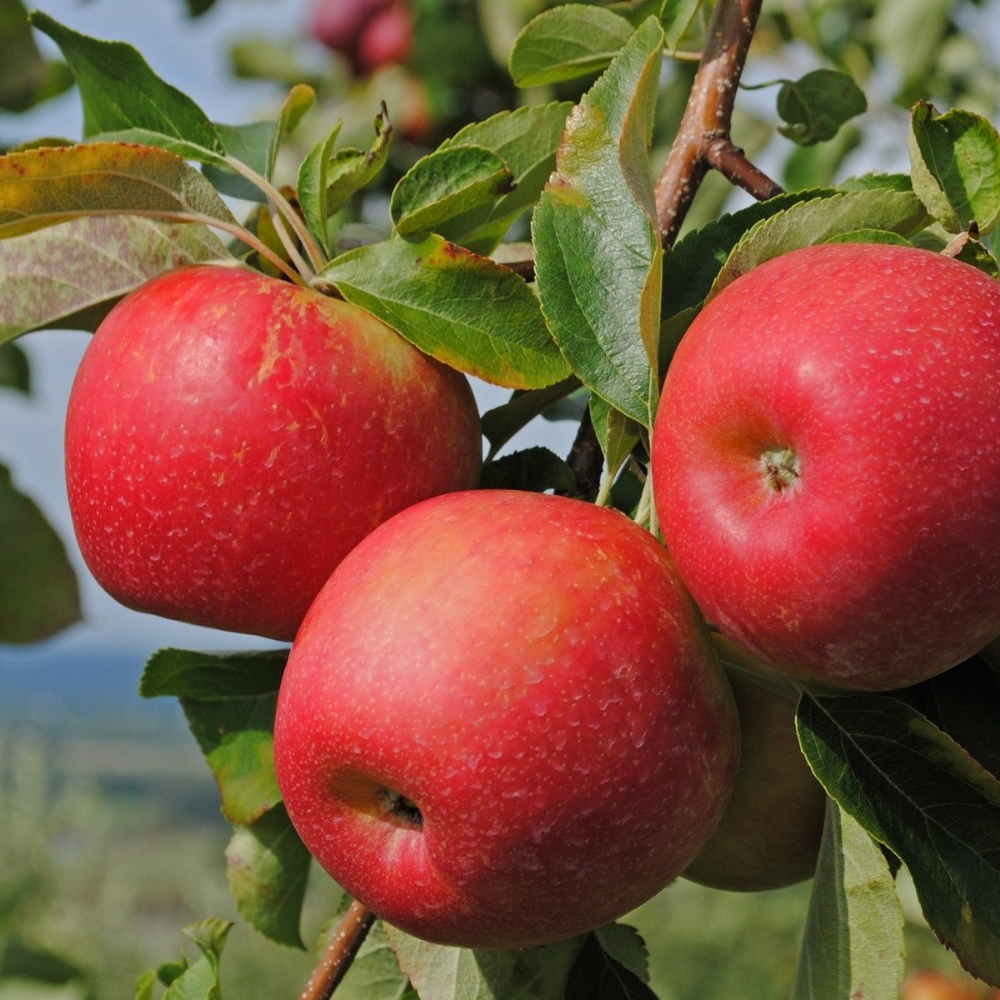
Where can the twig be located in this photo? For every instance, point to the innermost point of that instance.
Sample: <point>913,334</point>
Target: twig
<point>702,140</point>
<point>340,952</point>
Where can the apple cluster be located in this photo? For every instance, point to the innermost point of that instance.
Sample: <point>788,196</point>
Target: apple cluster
<point>504,719</point>
<point>368,33</point>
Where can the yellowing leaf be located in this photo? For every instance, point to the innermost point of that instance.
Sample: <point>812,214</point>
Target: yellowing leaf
<point>43,187</point>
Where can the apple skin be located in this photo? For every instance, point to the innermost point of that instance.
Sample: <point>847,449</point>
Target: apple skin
<point>338,24</point>
<point>386,40</point>
<point>231,437</point>
<point>769,836</point>
<point>929,984</point>
<point>369,33</point>
<point>826,463</point>
<point>527,672</point>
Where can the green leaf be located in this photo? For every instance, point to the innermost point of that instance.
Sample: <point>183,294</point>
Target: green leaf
<point>502,422</point>
<point>818,221</point>
<point>534,469</point>
<point>618,434</point>
<point>676,17</point>
<point>297,103</point>
<point>236,737</point>
<point>463,309</point>
<point>39,594</point>
<point>313,186</point>
<point>267,866</point>
<point>598,974</point>
<point>965,703</point>
<point>915,790</point>
<point>691,266</point>
<point>120,92</point>
<point>526,140</point>
<point>955,163</point>
<point>15,372</point>
<point>569,41</point>
<point>349,170</point>
<point>445,185</point>
<point>47,186</point>
<point>229,701</point>
<point>853,942</point>
<point>870,236</point>
<point>598,255</point>
<point>816,105</point>
<point>250,144</point>
<point>23,71</point>
<point>69,276</point>
<point>212,676</point>
<point>200,980</point>
<point>439,972</point>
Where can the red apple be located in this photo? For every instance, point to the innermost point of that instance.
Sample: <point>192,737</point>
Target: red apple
<point>770,833</point>
<point>338,23</point>
<point>231,437</point>
<point>502,722</point>
<point>826,462</point>
<point>369,33</point>
<point>386,40</point>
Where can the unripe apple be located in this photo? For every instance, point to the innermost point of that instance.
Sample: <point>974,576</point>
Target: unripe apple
<point>769,836</point>
<point>231,437</point>
<point>826,462</point>
<point>502,722</point>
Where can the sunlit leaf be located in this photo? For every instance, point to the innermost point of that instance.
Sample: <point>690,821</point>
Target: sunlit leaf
<point>526,140</point>
<point>566,42</point>
<point>676,17</point>
<point>439,972</point>
<point>446,185</point>
<point>915,790</point>
<point>267,866</point>
<point>598,255</point>
<point>818,221</point>
<point>955,161</point>
<point>853,945</point>
<point>463,309</point>
<point>120,92</point>
<point>43,187</point>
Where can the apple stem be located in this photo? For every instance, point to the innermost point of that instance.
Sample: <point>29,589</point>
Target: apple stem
<point>340,952</point>
<point>236,231</point>
<point>702,142</point>
<point>290,248</point>
<point>283,207</point>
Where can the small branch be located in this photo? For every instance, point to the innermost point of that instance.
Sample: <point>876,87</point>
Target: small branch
<point>702,141</point>
<point>343,947</point>
<point>730,161</point>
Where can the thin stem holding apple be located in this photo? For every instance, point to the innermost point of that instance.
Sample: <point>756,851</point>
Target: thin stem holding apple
<point>343,947</point>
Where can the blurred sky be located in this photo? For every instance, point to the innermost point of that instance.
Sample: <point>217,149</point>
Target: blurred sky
<point>103,656</point>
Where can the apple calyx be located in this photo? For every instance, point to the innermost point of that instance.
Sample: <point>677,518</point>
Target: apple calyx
<point>399,809</point>
<point>781,468</point>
